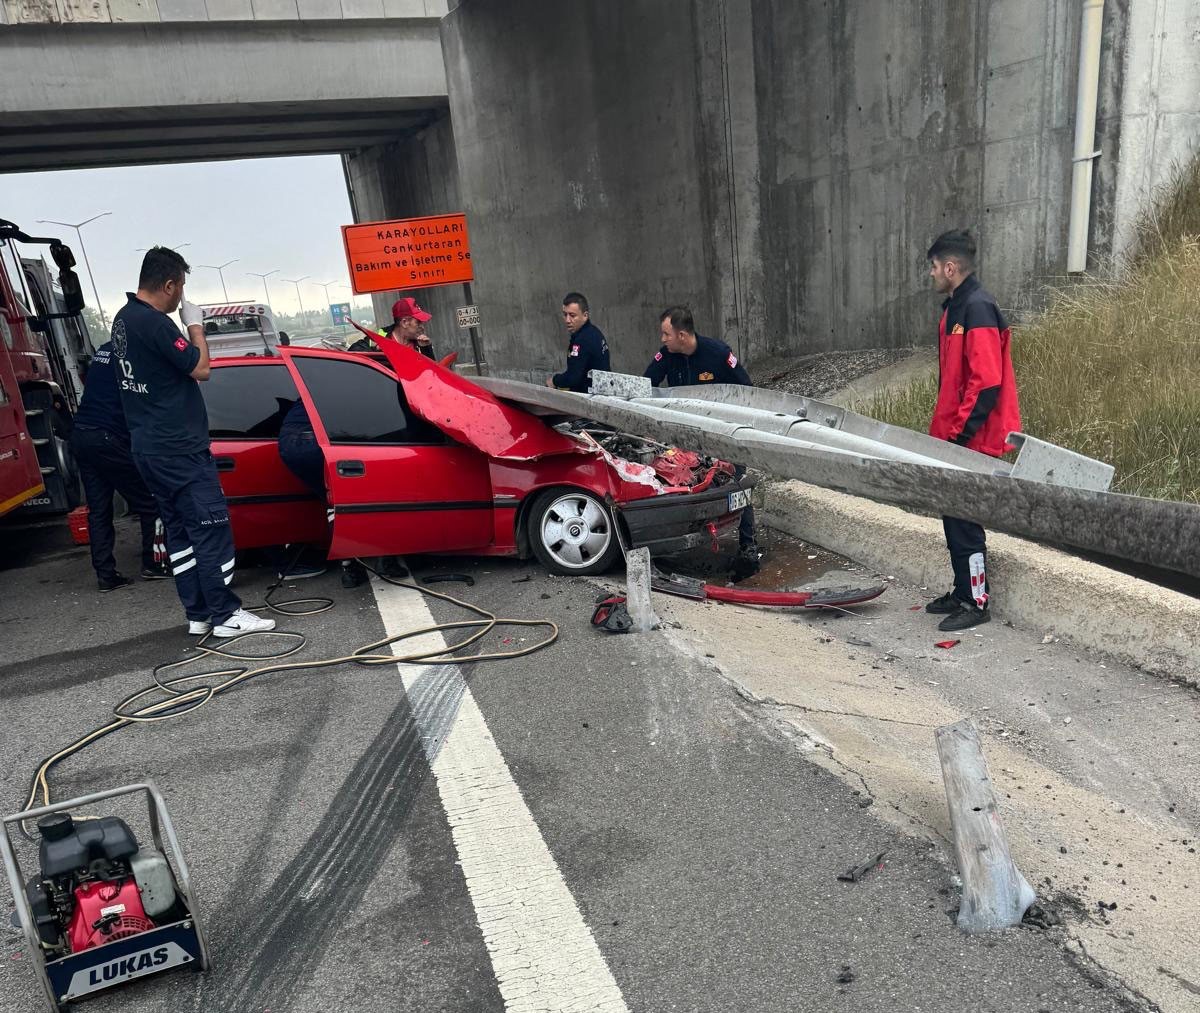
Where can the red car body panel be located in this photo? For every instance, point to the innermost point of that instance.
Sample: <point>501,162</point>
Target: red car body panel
<point>469,413</point>
<point>463,495</point>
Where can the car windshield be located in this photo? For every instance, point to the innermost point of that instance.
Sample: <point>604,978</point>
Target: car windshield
<point>232,325</point>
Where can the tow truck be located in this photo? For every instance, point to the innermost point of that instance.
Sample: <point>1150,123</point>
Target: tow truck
<point>44,347</point>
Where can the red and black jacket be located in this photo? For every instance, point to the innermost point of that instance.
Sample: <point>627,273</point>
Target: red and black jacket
<point>977,392</point>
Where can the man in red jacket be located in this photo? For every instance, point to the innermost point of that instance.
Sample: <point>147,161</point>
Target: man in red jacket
<point>976,408</point>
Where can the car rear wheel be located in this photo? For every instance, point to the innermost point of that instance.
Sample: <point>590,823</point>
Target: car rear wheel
<point>572,532</point>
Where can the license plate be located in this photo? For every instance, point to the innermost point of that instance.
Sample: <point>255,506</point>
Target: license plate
<point>739,500</point>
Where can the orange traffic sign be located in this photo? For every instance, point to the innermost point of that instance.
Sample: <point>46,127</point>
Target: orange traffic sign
<point>408,253</point>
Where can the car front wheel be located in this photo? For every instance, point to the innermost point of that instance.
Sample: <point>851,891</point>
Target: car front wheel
<point>572,532</point>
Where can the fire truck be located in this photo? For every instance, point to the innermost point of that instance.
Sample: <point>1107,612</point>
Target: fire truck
<point>44,348</point>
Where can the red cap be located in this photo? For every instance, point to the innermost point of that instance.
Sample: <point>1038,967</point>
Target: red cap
<point>407,307</point>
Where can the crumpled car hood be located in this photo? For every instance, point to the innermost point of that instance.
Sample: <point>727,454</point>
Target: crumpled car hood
<point>471,414</point>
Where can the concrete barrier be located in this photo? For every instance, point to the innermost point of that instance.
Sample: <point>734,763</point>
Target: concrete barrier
<point>1034,587</point>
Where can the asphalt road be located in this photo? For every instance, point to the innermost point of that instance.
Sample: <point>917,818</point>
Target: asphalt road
<point>699,843</point>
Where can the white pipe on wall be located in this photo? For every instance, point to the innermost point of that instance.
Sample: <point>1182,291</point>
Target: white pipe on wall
<point>1090,32</point>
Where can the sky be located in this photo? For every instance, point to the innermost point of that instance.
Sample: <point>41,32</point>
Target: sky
<point>264,213</point>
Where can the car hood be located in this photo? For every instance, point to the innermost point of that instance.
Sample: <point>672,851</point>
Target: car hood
<point>470,414</point>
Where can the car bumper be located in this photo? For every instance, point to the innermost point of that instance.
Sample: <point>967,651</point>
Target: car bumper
<point>673,523</point>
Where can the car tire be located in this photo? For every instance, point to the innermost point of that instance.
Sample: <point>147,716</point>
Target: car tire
<point>572,532</point>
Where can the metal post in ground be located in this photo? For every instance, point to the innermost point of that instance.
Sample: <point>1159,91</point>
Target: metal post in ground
<point>994,893</point>
<point>476,342</point>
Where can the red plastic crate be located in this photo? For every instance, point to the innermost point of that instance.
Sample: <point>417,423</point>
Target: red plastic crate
<point>77,521</point>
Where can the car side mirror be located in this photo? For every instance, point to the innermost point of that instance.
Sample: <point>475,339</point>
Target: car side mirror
<point>72,291</point>
<point>39,325</point>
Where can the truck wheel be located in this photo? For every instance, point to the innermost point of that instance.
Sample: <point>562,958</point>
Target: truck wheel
<point>572,532</point>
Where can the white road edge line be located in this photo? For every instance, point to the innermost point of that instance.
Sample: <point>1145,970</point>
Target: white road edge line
<point>544,955</point>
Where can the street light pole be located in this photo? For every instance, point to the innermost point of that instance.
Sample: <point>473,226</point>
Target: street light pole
<point>296,282</point>
<point>264,277</point>
<point>83,250</point>
<point>220,269</point>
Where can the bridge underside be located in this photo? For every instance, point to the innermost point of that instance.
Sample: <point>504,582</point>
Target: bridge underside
<point>80,96</point>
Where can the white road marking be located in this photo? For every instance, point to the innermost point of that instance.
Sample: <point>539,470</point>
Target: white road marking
<point>545,957</point>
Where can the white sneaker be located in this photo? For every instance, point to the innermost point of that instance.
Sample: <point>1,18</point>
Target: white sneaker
<point>199,628</point>
<point>243,622</point>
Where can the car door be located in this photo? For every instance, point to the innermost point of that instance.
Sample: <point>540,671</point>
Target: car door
<point>398,485</point>
<point>268,505</point>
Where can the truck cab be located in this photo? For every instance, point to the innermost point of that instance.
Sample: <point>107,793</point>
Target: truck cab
<point>240,329</point>
<point>43,350</point>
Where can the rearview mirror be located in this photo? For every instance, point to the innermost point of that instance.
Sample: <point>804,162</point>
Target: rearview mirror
<point>71,289</point>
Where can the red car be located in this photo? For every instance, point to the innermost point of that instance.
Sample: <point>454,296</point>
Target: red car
<point>421,460</point>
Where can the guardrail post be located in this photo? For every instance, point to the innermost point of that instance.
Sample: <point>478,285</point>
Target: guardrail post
<point>994,893</point>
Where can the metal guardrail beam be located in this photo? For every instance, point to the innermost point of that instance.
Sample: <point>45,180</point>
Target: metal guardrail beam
<point>1158,533</point>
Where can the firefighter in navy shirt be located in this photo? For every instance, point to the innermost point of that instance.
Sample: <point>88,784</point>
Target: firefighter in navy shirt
<point>587,348</point>
<point>688,359</point>
<point>976,408</point>
<point>168,424</point>
<point>100,443</point>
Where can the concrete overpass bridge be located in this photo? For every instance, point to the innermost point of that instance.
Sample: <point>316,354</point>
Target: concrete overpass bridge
<point>87,83</point>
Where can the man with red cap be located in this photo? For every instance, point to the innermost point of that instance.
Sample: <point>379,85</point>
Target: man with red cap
<point>407,327</point>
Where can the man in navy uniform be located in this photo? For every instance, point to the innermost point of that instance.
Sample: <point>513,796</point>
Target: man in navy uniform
<point>168,423</point>
<point>587,348</point>
<point>100,443</point>
<point>688,359</point>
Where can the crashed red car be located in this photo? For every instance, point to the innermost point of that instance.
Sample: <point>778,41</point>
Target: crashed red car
<point>421,460</point>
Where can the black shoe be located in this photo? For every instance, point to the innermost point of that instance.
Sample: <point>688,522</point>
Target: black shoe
<point>106,584</point>
<point>353,574</point>
<point>946,605</point>
<point>747,562</point>
<point>159,572</point>
<point>390,566</point>
<point>965,618</point>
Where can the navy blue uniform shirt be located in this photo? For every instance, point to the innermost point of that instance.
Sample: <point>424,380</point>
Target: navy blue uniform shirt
<point>713,361</point>
<point>164,408</point>
<point>100,407</point>
<point>586,350</point>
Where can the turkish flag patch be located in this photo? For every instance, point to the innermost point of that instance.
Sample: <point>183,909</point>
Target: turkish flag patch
<point>658,356</point>
<point>181,344</point>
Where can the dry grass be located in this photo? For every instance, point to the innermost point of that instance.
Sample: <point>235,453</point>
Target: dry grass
<point>1111,369</point>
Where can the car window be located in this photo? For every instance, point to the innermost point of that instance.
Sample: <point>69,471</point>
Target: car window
<point>358,404</point>
<point>248,402</point>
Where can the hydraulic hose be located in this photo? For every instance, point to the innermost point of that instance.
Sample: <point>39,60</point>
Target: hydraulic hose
<point>185,694</point>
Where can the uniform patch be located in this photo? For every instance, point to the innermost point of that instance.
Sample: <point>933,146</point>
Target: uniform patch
<point>957,329</point>
<point>181,344</point>
<point>574,351</point>
<point>705,376</point>
<point>732,360</point>
<point>658,356</point>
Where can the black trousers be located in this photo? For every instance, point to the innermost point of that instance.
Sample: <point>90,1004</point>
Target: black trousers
<point>106,466</point>
<point>967,543</point>
<point>746,527</point>
<point>199,539</point>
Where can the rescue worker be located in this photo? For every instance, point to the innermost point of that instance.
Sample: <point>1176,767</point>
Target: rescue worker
<point>300,451</point>
<point>407,326</point>
<point>687,359</point>
<point>100,443</point>
<point>976,408</point>
<point>168,426</point>
<point>587,348</point>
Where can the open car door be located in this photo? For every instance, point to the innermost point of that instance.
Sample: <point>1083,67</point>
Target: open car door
<point>397,484</point>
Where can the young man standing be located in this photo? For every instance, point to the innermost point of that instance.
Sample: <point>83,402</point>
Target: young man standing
<point>168,423</point>
<point>587,348</point>
<point>976,408</point>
